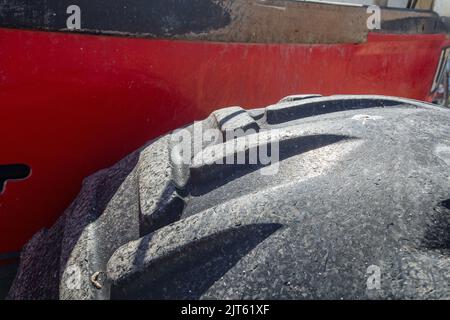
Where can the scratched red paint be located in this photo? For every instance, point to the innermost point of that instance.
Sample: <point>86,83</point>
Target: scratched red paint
<point>72,104</point>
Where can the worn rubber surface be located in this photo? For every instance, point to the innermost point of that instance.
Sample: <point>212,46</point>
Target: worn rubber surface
<point>363,182</point>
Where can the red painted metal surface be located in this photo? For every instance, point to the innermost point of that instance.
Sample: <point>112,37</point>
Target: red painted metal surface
<point>72,104</point>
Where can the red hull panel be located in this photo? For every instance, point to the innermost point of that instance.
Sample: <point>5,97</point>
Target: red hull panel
<point>72,104</point>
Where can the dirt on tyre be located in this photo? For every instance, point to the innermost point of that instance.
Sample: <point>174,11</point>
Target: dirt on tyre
<point>351,201</point>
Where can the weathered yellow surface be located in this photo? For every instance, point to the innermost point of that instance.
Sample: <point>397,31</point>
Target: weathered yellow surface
<point>275,21</point>
<point>424,4</point>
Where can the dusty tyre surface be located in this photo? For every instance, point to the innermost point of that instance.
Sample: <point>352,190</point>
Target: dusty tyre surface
<point>356,207</point>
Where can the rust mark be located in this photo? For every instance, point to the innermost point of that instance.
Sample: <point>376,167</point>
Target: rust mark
<point>287,21</point>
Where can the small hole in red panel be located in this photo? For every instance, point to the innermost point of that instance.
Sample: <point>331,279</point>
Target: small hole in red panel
<point>13,172</point>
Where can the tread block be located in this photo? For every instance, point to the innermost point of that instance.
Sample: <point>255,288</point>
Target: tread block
<point>288,111</point>
<point>158,198</point>
<point>234,118</point>
<point>299,97</point>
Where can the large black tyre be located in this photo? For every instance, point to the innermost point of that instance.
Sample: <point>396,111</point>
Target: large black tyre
<point>359,208</point>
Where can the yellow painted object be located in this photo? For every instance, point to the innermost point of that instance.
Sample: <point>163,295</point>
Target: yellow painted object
<point>424,4</point>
